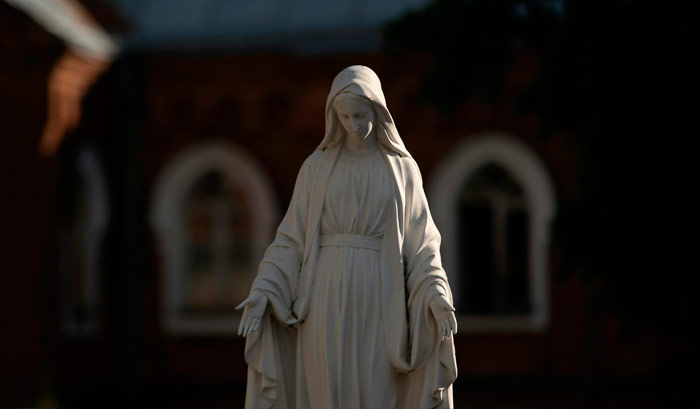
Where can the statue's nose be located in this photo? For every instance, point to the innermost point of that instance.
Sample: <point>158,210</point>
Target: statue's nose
<point>356,126</point>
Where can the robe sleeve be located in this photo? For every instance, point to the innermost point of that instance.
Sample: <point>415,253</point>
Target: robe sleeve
<point>270,352</point>
<point>431,355</point>
<point>421,241</point>
<point>278,272</point>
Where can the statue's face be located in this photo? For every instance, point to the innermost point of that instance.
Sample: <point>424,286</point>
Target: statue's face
<point>356,116</point>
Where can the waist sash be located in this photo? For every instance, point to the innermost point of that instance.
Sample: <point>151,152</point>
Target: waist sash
<point>351,240</point>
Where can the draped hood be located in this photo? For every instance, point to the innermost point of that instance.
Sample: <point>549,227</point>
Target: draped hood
<point>363,82</point>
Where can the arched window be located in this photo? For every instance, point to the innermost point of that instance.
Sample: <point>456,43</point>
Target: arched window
<point>493,201</point>
<point>80,245</point>
<point>214,214</point>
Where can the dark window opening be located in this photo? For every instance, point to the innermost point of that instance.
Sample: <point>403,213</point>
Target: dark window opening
<point>493,245</point>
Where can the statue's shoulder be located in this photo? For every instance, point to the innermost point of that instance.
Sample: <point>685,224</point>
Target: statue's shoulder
<point>311,161</point>
<point>412,171</point>
<point>408,164</point>
<point>405,169</point>
<point>315,155</point>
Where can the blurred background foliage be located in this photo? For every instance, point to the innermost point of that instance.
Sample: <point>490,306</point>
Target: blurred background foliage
<point>619,77</point>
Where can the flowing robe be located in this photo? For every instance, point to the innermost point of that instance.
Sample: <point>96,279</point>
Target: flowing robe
<point>411,272</point>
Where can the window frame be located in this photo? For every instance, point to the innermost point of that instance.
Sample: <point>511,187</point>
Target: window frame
<point>524,165</point>
<point>168,204</point>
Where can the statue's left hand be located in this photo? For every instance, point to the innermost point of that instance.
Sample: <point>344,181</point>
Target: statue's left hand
<point>444,314</point>
<point>254,309</point>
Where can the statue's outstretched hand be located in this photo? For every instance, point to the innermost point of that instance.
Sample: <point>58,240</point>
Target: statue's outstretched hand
<point>252,314</point>
<point>444,314</point>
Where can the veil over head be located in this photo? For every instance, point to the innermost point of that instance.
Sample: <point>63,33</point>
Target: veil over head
<point>363,82</point>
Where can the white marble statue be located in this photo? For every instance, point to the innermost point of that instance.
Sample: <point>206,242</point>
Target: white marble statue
<point>351,307</point>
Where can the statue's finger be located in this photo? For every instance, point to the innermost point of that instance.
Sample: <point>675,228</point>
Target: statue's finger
<point>256,325</point>
<point>240,326</point>
<point>243,304</point>
<point>251,327</point>
<point>453,321</point>
<point>448,305</point>
<point>246,323</point>
<point>246,331</point>
<point>251,324</point>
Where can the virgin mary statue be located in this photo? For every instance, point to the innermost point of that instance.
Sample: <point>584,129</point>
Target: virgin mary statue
<point>351,307</point>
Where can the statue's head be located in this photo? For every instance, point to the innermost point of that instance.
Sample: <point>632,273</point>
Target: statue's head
<point>356,101</point>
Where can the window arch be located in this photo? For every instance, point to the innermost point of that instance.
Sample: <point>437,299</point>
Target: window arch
<point>214,214</point>
<point>80,245</point>
<point>493,201</point>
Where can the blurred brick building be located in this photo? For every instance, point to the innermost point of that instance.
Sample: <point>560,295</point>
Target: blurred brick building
<point>127,250</point>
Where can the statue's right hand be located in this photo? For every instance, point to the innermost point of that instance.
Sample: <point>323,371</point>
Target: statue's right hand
<point>252,314</point>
